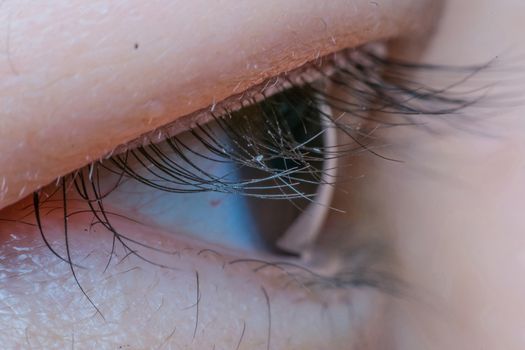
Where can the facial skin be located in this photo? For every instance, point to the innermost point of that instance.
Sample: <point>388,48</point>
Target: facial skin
<point>450,212</point>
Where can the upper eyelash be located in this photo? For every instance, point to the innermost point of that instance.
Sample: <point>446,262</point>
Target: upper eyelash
<point>363,76</point>
<point>362,66</point>
<point>369,56</point>
<point>252,149</point>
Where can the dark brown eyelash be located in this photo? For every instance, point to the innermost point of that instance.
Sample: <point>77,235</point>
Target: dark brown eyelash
<point>365,82</point>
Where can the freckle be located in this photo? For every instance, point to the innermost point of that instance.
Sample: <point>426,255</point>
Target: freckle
<point>215,202</point>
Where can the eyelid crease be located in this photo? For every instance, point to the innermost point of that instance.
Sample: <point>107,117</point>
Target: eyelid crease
<point>310,72</point>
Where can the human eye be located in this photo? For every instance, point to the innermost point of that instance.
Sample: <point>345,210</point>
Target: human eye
<point>116,265</point>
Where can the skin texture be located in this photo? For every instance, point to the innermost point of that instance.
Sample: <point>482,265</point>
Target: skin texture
<point>449,217</point>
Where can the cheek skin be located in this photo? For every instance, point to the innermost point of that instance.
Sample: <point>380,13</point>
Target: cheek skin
<point>147,306</point>
<point>78,69</point>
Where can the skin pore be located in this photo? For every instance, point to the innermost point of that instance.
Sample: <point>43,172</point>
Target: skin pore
<point>450,212</point>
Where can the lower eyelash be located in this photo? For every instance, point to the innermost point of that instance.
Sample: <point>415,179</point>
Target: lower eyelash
<point>366,84</point>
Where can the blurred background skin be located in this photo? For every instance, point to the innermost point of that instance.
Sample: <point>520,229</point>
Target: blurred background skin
<point>452,212</point>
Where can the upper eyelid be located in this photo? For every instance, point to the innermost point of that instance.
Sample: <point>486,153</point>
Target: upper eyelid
<point>59,129</point>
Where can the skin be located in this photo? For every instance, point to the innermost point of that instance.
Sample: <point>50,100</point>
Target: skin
<point>449,215</point>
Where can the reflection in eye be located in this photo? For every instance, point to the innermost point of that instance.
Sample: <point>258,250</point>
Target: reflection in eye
<point>247,177</point>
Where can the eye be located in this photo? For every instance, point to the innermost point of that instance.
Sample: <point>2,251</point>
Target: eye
<point>242,180</point>
<point>257,178</point>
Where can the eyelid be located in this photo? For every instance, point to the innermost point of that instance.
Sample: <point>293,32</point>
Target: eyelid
<point>312,72</point>
<point>129,70</point>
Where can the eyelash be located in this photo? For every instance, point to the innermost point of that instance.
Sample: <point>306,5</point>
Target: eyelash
<point>366,83</point>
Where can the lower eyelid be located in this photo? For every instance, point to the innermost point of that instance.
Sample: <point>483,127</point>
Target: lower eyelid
<point>134,292</point>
